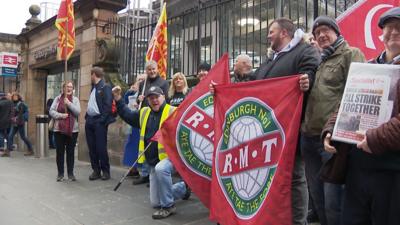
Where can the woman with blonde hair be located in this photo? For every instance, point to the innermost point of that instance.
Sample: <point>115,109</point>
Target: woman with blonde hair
<point>65,112</point>
<point>178,89</point>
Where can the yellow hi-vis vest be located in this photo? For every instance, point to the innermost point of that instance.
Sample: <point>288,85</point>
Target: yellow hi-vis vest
<point>144,114</point>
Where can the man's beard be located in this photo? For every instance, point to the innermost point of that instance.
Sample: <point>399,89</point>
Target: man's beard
<point>275,45</point>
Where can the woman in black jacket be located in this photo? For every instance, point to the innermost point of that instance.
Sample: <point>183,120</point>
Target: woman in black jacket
<point>18,119</point>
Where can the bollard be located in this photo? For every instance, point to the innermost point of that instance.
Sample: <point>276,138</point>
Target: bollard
<point>42,136</point>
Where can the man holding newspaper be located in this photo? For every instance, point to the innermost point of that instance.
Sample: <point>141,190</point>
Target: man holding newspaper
<point>372,179</point>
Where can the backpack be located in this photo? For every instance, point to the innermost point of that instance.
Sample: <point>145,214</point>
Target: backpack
<point>113,104</point>
<point>25,110</point>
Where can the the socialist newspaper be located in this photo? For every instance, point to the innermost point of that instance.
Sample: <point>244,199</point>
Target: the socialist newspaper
<point>367,100</point>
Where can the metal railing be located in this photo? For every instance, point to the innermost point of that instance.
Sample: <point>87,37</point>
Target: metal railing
<point>205,32</point>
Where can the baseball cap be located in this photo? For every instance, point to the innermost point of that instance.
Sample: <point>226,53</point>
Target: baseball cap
<point>391,13</point>
<point>154,91</point>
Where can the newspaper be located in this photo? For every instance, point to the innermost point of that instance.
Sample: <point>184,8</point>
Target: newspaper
<point>367,100</point>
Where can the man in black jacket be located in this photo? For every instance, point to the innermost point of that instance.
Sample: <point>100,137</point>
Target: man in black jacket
<point>98,117</point>
<point>292,57</point>
<point>5,120</point>
<point>153,79</point>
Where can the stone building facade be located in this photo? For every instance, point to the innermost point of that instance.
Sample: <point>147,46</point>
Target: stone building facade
<point>43,74</point>
<point>9,43</point>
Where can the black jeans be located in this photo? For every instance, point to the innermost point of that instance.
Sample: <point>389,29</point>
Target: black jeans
<point>65,143</point>
<point>371,197</point>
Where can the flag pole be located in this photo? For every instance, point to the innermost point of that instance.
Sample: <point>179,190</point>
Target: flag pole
<point>151,56</point>
<point>66,49</point>
<point>145,80</point>
<point>65,60</point>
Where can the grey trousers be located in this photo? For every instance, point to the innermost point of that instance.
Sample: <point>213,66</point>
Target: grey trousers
<point>299,192</point>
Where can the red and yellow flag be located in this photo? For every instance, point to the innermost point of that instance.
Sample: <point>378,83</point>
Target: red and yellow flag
<point>65,24</point>
<point>158,45</point>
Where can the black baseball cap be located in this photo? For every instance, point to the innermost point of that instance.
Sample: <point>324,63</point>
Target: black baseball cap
<point>391,13</point>
<point>154,91</point>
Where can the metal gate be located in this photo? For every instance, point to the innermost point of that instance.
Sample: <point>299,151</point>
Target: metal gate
<point>205,32</point>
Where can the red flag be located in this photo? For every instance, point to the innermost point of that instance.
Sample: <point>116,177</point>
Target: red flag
<point>359,25</point>
<point>187,135</point>
<point>255,143</point>
<point>158,45</point>
<point>65,24</point>
<point>156,137</point>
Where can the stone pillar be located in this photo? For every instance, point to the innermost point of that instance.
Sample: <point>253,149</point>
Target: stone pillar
<point>33,90</point>
<point>90,56</point>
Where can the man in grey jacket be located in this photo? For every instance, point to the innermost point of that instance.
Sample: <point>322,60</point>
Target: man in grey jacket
<point>292,57</point>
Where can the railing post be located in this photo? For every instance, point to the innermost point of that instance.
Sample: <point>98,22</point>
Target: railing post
<point>198,36</point>
<point>316,6</point>
<point>130,80</point>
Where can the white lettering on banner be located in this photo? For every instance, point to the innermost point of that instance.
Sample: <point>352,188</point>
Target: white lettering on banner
<point>268,145</point>
<point>244,159</point>
<point>195,119</point>
<point>228,164</point>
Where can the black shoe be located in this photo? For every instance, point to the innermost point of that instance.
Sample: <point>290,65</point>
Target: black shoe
<point>95,176</point>
<point>141,180</point>
<point>134,174</point>
<point>60,178</point>
<point>187,193</point>
<point>106,176</point>
<point>71,177</point>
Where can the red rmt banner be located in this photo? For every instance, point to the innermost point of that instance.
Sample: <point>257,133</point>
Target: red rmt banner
<point>188,134</point>
<point>256,135</point>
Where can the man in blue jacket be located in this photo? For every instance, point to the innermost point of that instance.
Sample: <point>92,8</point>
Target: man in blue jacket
<point>98,117</point>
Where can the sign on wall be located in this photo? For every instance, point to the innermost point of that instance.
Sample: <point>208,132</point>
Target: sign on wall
<point>8,64</point>
<point>9,72</point>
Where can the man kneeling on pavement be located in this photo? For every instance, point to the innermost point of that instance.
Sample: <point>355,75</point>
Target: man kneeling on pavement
<point>149,119</point>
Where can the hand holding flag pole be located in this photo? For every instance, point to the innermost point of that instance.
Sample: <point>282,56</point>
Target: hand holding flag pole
<point>154,139</point>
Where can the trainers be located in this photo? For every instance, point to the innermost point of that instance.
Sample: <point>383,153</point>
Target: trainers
<point>60,178</point>
<point>141,180</point>
<point>71,178</point>
<point>28,153</point>
<point>95,176</point>
<point>106,176</point>
<point>188,192</point>
<point>164,212</point>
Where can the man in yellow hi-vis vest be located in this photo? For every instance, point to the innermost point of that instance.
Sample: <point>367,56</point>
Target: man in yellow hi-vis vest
<point>148,120</point>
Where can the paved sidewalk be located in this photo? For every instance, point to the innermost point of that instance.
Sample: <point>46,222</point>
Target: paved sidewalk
<point>30,195</point>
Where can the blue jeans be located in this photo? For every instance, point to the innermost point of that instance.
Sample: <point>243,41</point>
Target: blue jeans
<point>144,169</point>
<point>3,135</point>
<point>327,198</point>
<point>21,131</point>
<point>162,192</point>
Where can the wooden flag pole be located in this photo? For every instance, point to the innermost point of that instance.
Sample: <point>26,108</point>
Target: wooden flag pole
<point>65,60</point>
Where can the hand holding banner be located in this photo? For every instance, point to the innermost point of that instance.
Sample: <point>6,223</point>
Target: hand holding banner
<point>255,143</point>
<point>187,135</point>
